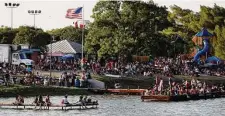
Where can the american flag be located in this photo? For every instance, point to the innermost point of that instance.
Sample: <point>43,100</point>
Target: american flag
<point>74,13</point>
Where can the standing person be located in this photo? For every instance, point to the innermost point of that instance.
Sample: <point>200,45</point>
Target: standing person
<point>50,81</point>
<point>61,80</point>
<point>7,78</point>
<point>64,76</point>
<point>170,85</point>
<point>160,88</point>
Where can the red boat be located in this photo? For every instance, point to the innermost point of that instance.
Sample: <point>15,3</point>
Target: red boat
<point>126,91</point>
<point>156,98</point>
<point>182,97</point>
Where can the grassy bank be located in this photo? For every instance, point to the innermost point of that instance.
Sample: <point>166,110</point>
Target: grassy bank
<point>14,90</point>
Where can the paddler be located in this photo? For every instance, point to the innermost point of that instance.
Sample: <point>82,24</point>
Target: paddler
<point>47,102</point>
<point>40,101</point>
<point>82,103</point>
<point>35,101</point>
<point>17,100</point>
<point>65,101</point>
<point>20,100</point>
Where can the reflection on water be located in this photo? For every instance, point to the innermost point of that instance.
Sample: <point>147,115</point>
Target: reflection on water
<point>111,105</point>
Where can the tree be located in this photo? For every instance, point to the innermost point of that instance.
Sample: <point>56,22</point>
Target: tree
<point>7,35</point>
<point>128,27</point>
<point>70,33</point>
<point>187,23</point>
<point>220,48</point>
<point>33,37</point>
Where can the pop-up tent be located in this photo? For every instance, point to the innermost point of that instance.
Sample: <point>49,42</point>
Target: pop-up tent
<point>65,47</point>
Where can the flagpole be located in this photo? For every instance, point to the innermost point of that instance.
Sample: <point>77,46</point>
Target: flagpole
<point>82,52</point>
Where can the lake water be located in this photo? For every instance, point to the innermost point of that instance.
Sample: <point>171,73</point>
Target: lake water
<point>112,105</point>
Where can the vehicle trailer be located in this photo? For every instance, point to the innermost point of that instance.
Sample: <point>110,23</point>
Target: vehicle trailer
<point>13,55</point>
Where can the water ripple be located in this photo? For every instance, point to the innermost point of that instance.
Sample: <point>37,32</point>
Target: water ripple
<point>111,105</point>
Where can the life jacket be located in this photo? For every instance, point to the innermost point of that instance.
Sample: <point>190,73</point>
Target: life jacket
<point>21,100</point>
<point>47,99</point>
<point>62,102</point>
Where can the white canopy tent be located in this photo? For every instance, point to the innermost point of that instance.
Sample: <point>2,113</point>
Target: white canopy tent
<point>65,46</point>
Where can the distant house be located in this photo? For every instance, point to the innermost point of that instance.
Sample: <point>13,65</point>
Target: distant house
<point>64,47</point>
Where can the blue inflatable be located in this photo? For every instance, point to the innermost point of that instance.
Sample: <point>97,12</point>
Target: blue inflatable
<point>213,59</point>
<point>203,51</point>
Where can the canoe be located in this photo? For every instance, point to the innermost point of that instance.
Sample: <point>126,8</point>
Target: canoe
<point>155,97</point>
<point>63,107</point>
<point>164,98</point>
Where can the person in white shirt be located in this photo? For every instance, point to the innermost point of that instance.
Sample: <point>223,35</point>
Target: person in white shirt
<point>46,81</point>
<point>65,101</point>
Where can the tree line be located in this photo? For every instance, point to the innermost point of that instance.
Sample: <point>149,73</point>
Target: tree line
<point>124,28</point>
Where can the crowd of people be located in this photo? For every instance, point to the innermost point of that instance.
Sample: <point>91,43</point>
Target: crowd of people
<point>66,79</point>
<point>159,65</point>
<point>185,88</point>
<point>167,66</point>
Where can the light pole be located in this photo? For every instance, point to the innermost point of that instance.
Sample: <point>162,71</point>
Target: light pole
<point>82,41</point>
<point>52,40</point>
<point>34,13</point>
<point>11,6</point>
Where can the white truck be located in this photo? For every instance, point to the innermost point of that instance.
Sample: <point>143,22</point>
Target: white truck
<point>11,54</point>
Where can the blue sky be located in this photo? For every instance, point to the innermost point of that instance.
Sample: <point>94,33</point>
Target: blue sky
<point>53,11</point>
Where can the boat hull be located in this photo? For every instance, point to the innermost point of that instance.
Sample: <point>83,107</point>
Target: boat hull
<point>164,98</point>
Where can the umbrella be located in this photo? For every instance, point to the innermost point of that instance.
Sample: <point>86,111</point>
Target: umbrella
<point>204,32</point>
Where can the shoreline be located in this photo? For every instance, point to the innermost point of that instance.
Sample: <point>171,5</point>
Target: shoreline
<point>29,91</point>
<point>127,83</point>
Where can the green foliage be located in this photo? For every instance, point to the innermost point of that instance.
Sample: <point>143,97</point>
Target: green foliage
<point>7,35</point>
<point>69,33</point>
<point>220,47</point>
<point>187,23</point>
<point>33,37</point>
<point>128,27</point>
